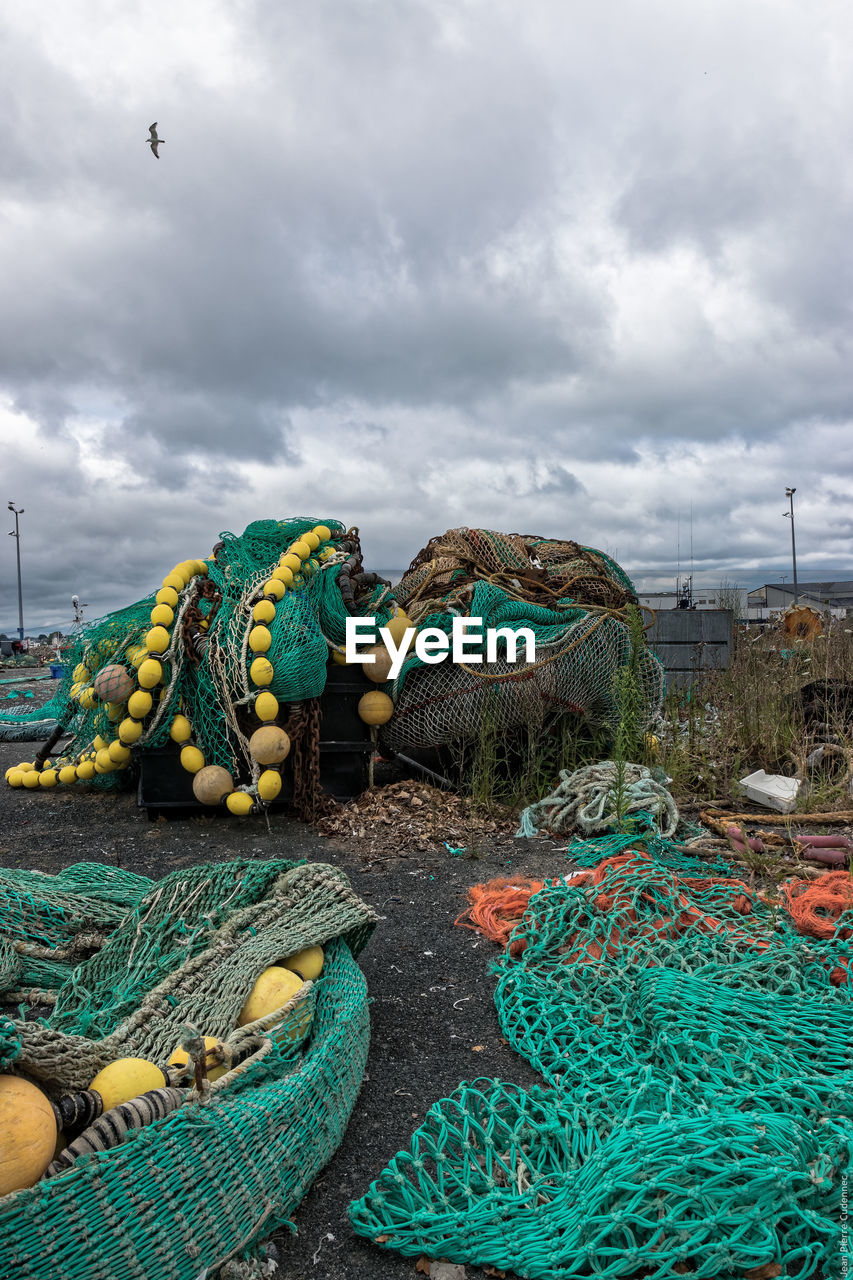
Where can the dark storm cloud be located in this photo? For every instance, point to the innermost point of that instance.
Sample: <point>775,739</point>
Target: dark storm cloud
<point>419,265</point>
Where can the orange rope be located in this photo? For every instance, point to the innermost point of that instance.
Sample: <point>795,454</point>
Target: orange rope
<point>816,906</point>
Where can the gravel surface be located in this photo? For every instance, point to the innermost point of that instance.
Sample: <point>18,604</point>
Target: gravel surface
<point>433,1018</point>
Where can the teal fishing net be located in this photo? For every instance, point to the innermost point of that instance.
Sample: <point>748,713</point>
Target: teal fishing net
<point>698,1118</point>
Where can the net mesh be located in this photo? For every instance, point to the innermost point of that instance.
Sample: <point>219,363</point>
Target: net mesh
<point>206,669</point>
<point>698,1118</point>
<point>572,598</point>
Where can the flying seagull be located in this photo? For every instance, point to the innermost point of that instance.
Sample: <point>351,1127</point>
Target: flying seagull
<point>154,142</point>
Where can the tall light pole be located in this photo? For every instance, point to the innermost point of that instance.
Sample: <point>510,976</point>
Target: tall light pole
<point>17,536</point>
<point>789,515</point>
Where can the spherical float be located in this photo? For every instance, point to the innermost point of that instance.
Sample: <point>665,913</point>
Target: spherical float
<point>273,587</point>
<point>162,615</point>
<point>68,775</point>
<point>127,1078</point>
<point>139,704</point>
<point>157,640</point>
<point>15,777</point>
<point>129,731</point>
<point>398,626</point>
<point>180,729</point>
<point>269,744</point>
<point>307,963</point>
<point>272,989</point>
<point>113,684</point>
<point>260,639</point>
<point>301,548</point>
<point>85,770</point>
<point>167,596</point>
<point>323,532</point>
<point>175,580</point>
<point>104,762</point>
<point>379,670</point>
<point>264,611</point>
<point>261,671</point>
<point>87,699</point>
<point>192,759</point>
<point>211,783</point>
<point>47,778</point>
<point>312,539</point>
<point>28,1126</point>
<point>118,752</point>
<point>30,780</point>
<point>283,574</point>
<point>150,673</point>
<point>239,803</point>
<point>266,706</point>
<point>292,562</point>
<point>269,785</point>
<point>375,707</point>
<point>80,673</point>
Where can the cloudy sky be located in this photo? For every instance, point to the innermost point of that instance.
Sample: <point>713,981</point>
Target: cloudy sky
<point>558,266</point>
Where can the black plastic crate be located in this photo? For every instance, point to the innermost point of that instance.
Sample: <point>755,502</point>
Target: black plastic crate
<point>345,751</point>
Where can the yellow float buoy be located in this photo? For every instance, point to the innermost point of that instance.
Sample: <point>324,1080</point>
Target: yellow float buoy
<point>211,783</point>
<point>269,744</point>
<point>129,731</point>
<point>269,785</point>
<point>398,626</point>
<point>127,1078</point>
<point>139,704</point>
<point>68,774</point>
<point>266,706</point>
<point>284,574</point>
<point>47,778</point>
<point>104,762</point>
<point>157,640</point>
<point>30,780</point>
<point>292,562</point>
<point>264,611</point>
<point>150,673</point>
<point>192,759</point>
<point>301,548</point>
<point>239,803</point>
<point>272,989</point>
<point>118,752</point>
<point>180,730</point>
<point>261,671</point>
<point>85,770</point>
<point>136,655</point>
<point>167,596</point>
<point>162,615</point>
<point>275,588</point>
<point>260,639</point>
<point>174,580</point>
<point>308,963</point>
<point>87,699</point>
<point>180,1058</point>
<point>80,673</point>
<point>323,532</point>
<point>375,707</point>
<point>28,1126</point>
<point>312,539</point>
<point>15,777</point>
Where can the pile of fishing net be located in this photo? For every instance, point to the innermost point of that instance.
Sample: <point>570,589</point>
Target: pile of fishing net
<point>175,1180</point>
<point>229,645</point>
<point>697,1048</point>
<point>574,600</point>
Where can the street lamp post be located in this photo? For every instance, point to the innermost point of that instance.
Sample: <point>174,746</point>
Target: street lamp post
<point>789,494</point>
<point>17,536</point>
